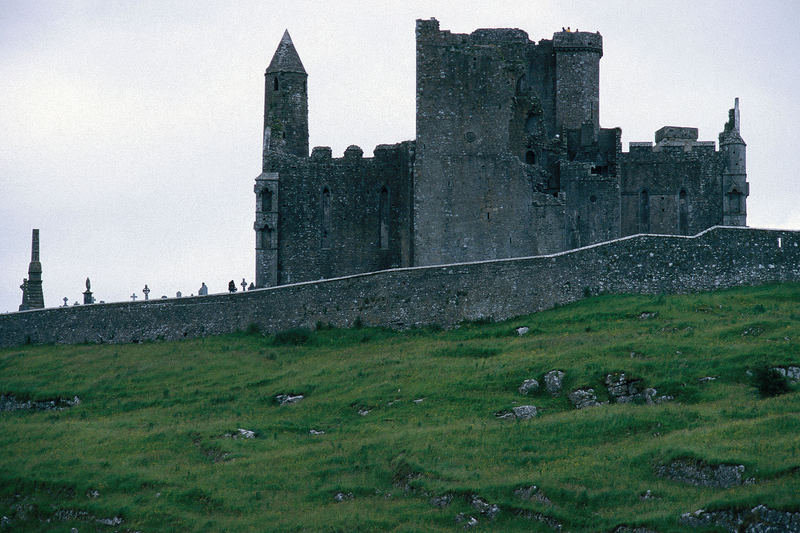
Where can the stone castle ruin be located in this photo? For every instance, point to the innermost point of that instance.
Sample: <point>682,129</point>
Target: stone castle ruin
<point>509,160</point>
<point>511,199</point>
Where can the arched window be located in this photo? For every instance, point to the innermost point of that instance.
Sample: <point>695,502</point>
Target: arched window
<point>275,83</point>
<point>644,212</point>
<point>683,213</point>
<point>383,219</point>
<point>325,222</point>
<point>266,201</point>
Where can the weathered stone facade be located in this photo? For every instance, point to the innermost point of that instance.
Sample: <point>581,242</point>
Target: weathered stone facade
<point>446,294</point>
<point>509,160</point>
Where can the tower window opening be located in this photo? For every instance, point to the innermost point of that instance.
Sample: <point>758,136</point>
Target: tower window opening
<point>275,84</point>
<point>266,201</point>
<point>530,157</point>
<point>383,219</point>
<point>325,222</point>
<point>266,238</point>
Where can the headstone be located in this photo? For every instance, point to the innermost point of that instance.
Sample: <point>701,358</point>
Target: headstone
<point>178,294</point>
<point>65,301</point>
<point>244,285</point>
<point>203,290</point>
<point>133,296</point>
<point>146,292</point>
<point>251,286</point>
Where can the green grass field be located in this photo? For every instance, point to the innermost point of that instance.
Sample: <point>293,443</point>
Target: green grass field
<point>149,433</point>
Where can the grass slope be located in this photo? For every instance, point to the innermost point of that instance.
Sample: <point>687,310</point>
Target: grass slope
<point>148,435</point>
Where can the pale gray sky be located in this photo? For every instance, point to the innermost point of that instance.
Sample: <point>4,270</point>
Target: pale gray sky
<point>130,131</point>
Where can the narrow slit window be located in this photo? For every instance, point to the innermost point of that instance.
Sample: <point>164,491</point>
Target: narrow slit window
<point>275,84</point>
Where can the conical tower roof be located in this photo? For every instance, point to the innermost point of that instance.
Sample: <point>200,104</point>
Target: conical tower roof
<point>286,58</point>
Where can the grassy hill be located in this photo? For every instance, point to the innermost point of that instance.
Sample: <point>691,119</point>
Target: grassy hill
<point>409,422</point>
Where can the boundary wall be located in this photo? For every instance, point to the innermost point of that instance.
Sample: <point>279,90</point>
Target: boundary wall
<point>719,257</point>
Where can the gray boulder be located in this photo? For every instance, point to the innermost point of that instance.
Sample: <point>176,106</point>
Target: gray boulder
<point>529,385</point>
<point>553,380</point>
<point>525,412</point>
<point>582,398</point>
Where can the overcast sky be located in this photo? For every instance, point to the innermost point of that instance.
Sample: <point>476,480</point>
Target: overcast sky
<point>130,132</point>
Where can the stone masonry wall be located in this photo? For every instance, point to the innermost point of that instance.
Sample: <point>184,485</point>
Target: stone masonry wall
<point>447,294</point>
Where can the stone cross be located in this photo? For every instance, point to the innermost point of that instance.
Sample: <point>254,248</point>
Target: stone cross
<point>244,285</point>
<point>65,301</point>
<point>133,296</point>
<point>146,292</point>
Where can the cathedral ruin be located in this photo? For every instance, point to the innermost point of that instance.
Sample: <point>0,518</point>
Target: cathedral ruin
<point>509,160</point>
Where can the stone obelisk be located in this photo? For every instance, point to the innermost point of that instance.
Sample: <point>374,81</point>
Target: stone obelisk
<point>32,296</point>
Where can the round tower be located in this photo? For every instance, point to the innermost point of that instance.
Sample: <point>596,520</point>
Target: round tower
<point>577,56</point>
<point>286,102</point>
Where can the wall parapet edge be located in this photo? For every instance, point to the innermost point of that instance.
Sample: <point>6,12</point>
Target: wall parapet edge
<point>719,257</point>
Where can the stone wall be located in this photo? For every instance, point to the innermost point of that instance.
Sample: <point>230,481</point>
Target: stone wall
<point>448,294</point>
<point>329,219</point>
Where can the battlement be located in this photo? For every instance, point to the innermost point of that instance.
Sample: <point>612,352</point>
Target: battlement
<point>578,41</point>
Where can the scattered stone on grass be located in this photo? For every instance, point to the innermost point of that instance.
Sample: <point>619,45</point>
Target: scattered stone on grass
<point>363,412</point>
<point>532,493</point>
<point>93,493</point>
<point>240,434</point>
<point>316,432</point>
<point>529,385</point>
<point>525,412</point>
<point>792,373</point>
<point>759,519</point>
<point>553,381</point>
<point>583,398</point>
<point>699,473</point>
<point>286,399</point>
<point>441,501</point>
<point>707,379</point>
<point>504,414</point>
<point>752,332</point>
<point>522,330</point>
<point>342,496</point>
<point>419,400</point>
<point>629,529</point>
<point>539,517</point>
<point>9,402</point>
<point>647,495</point>
<point>485,508</point>
<point>468,521</point>
<point>647,315</point>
